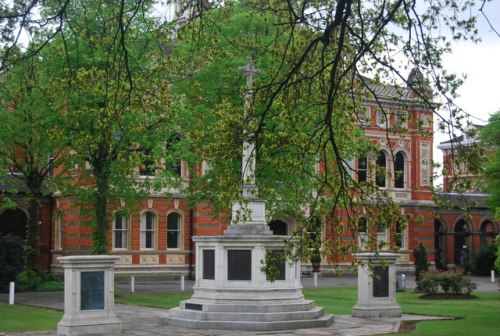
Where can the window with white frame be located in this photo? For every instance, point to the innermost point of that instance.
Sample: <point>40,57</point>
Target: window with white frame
<point>362,233</point>
<point>381,118</point>
<point>120,231</point>
<point>147,167</point>
<point>173,162</point>
<point>381,169</point>
<point>382,236</point>
<point>174,225</point>
<point>58,232</point>
<point>365,115</point>
<point>399,170</point>
<point>148,230</point>
<point>400,239</point>
<point>401,119</point>
<point>362,169</point>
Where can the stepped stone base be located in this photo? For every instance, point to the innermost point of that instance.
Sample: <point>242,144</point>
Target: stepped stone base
<point>253,315</point>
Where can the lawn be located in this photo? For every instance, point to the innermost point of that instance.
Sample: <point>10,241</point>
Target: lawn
<point>18,318</point>
<point>479,316</point>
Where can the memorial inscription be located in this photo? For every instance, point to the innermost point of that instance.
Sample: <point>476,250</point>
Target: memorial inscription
<point>380,281</point>
<point>92,290</point>
<point>209,264</point>
<point>239,265</point>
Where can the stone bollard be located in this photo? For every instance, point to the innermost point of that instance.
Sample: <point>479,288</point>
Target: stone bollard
<point>12,291</point>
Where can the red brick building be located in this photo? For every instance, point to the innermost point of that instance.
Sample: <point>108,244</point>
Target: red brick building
<point>156,238</point>
<point>460,233</point>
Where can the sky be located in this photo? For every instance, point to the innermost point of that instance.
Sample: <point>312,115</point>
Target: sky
<point>480,93</point>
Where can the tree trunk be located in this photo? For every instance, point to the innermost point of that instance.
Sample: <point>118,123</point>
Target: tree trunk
<point>100,235</point>
<point>32,241</point>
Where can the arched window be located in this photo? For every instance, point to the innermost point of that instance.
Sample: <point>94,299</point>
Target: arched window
<point>488,234</point>
<point>148,230</point>
<point>13,221</point>
<point>174,225</point>
<point>279,228</point>
<point>381,169</point>
<point>362,169</point>
<point>120,231</point>
<point>399,170</point>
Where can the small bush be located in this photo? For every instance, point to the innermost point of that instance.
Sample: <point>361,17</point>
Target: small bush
<point>11,259</point>
<point>484,260</point>
<point>30,281</point>
<point>421,263</point>
<point>449,281</point>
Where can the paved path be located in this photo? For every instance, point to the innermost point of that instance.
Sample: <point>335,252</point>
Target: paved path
<point>144,321</point>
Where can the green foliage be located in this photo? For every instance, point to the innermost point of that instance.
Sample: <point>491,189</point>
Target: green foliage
<point>11,259</point>
<point>421,263</point>
<point>497,261</point>
<point>483,260</point>
<point>448,282</point>
<point>490,141</point>
<point>29,281</point>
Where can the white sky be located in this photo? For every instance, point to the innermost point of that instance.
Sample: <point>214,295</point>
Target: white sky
<point>480,94</point>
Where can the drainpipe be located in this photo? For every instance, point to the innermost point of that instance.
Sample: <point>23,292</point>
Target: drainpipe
<point>191,253</point>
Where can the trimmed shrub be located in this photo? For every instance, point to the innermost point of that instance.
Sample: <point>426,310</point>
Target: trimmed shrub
<point>30,281</point>
<point>421,263</point>
<point>484,260</point>
<point>448,282</point>
<point>11,259</point>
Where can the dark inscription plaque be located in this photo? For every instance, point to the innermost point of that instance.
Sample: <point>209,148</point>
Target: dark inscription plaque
<point>239,265</point>
<point>92,290</point>
<point>194,306</point>
<point>279,263</point>
<point>209,264</point>
<point>380,281</point>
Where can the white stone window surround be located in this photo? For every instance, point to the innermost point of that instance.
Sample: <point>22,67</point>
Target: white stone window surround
<point>148,230</point>
<point>121,231</point>
<point>176,230</point>
<point>382,117</point>
<point>363,233</point>
<point>58,244</point>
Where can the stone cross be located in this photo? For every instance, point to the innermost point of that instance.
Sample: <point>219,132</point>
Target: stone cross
<point>248,170</point>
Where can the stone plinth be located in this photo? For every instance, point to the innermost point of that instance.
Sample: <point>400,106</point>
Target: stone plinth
<point>231,291</point>
<point>377,286</point>
<point>88,296</point>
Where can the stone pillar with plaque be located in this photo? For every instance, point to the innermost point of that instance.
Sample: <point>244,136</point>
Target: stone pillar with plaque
<point>88,296</point>
<point>231,291</point>
<point>376,285</point>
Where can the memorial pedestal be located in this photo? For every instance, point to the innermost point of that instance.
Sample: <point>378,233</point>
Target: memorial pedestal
<point>377,287</point>
<point>88,296</point>
<point>231,291</point>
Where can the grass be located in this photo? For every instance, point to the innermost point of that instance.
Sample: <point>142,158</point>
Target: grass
<point>475,317</point>
<point>158,300</point>
<point>18,318</point>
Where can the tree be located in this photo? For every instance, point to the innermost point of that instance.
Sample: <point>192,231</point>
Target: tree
<point>32,144</point>
<point>490,141</point>
<point>108,68</point>
<point>315,58</point>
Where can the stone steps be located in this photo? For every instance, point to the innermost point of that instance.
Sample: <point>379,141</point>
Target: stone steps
<point>237,324</point>
<point>304,305</point>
